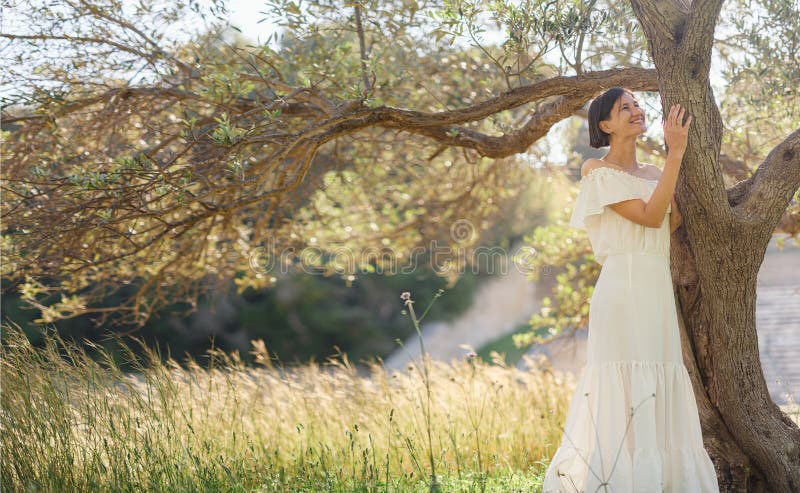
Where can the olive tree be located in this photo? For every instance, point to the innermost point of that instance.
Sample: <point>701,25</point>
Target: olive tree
<point>175,162</point>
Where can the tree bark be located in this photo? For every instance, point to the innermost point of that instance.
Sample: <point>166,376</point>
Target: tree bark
<point>716,255</point>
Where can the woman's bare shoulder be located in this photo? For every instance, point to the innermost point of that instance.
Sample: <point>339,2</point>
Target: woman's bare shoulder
<point>591,164</point>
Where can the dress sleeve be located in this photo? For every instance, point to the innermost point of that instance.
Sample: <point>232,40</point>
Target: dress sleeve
<point>599,188</point>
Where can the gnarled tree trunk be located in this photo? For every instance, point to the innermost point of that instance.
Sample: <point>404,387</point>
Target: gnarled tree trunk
<point>717,253</point>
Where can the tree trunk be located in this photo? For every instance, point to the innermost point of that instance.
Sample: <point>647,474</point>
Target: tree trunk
<point>742,426</point>
<point>716,255</point>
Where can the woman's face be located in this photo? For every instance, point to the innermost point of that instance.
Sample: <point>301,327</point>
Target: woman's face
<point>626,118</point>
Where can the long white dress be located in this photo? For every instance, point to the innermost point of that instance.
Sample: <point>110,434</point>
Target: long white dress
<point>632,425</point>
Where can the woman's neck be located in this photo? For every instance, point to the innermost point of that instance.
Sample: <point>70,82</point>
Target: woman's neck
<point>623,154</point>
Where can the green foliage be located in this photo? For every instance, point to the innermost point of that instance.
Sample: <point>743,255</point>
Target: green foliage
<point>204,157</point>
<point>762,72</point>
<point>303,317</point>
<point>227,134</point>
<point>531,29</point>
<point>560,247</point>
<point>508,347</point>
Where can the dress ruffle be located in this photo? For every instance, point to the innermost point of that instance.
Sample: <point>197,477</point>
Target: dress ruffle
<point>632,425</point>
<point>603,186</point>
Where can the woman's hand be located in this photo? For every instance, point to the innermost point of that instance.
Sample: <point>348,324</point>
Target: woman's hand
<point>676,132</point>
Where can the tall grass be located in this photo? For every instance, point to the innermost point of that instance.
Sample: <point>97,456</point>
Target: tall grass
<point>74,423</point>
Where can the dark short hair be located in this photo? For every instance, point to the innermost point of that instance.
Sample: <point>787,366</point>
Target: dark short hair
<point>599,111</point>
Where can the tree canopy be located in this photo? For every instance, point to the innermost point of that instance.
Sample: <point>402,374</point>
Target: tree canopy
<point>180,160</point>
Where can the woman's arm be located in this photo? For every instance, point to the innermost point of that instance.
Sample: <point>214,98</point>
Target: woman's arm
<point>651,214</point>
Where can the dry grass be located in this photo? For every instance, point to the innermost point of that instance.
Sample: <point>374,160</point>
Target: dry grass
<point>71,423</point>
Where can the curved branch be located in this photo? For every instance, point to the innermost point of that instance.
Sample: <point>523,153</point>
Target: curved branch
<point>583,86</point>
<point>511,143</point>
<point>767,193</point>
<point>573,91</point>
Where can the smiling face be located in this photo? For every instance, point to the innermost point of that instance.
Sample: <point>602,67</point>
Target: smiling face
<point>625,119</point>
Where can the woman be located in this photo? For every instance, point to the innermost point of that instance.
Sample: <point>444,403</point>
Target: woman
<point>632,425</point>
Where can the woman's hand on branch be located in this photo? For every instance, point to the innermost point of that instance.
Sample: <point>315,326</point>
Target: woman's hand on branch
<point>676,132</point>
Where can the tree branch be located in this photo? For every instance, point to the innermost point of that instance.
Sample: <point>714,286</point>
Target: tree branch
<point>674,35</point>
<point>702,21</point>
<point>362,51</point>
<point>663,20</point>
<point>81,39</point>
<point>768,192</point>
<point>695,48</point>
<point>511,143</point>
<point>574,92</point>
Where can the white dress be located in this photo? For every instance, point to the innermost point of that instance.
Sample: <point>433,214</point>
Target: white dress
<point>632,424</point>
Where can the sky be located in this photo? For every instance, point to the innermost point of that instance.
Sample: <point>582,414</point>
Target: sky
<point>245,15</point>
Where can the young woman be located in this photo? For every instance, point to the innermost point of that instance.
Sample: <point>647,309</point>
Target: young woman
<point>632,425</point>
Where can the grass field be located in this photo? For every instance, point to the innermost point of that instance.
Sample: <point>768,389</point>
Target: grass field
<point>73,423</point>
